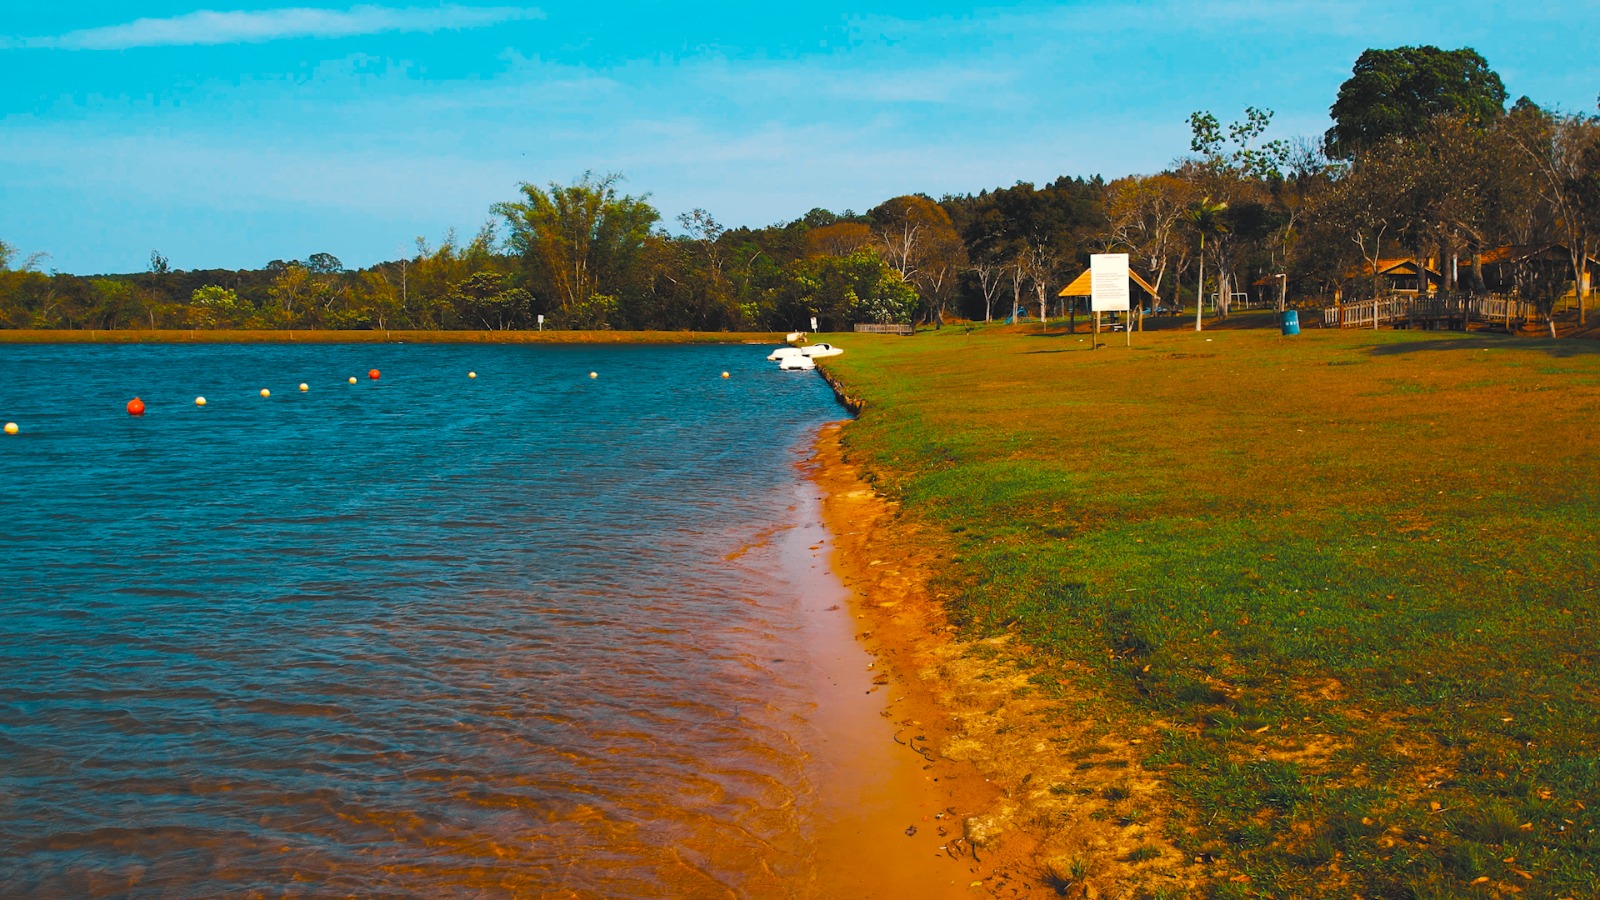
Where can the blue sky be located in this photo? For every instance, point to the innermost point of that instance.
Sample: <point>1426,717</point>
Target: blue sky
<point>227,134</point>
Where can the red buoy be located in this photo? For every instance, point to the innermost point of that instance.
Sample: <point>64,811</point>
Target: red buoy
<point>373,374</point>
<point>136,407</point>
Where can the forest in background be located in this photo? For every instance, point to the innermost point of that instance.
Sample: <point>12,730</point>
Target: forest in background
<point>1424,162</point>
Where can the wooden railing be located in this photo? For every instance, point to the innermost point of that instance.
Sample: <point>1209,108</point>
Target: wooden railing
<point>1502,308</point>
<point>907,330</point>
<point>1367,313</point>
<point>1439,310</point>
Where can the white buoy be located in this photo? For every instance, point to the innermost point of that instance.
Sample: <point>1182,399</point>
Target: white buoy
<point>594,374</point>
<point>265,392</point>
<point>352,379</point>
<point>472,374</point>
<point>11,428</point>
<point>199,401</point>
<point>304,387</point>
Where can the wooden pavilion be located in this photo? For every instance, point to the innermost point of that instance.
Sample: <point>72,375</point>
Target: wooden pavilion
<point>1081,288</point>
<point>1082,285</point>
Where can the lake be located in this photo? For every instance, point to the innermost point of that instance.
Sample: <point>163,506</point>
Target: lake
<point>529,633</point>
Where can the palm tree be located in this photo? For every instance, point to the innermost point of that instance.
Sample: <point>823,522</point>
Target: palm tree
<point>1206,218</point>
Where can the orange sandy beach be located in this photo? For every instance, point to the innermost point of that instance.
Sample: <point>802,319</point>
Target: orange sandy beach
<point>975,731</point>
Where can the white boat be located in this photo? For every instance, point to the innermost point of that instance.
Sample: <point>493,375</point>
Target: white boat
<point>816,350</point>
<point>795,337</point>
<point>796,364</point>
<point>783,352</point>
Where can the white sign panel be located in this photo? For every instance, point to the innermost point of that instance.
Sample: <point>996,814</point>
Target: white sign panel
<point>1108,282</point>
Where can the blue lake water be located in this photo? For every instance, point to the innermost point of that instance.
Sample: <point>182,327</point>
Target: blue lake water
<point>524,634</point>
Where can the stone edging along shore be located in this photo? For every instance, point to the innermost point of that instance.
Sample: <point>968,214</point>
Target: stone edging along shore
<point>854,404</point>
<point>1051,793</point>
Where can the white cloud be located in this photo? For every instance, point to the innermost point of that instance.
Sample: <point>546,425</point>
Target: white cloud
<point>923,83</point>
<point>207,27</point>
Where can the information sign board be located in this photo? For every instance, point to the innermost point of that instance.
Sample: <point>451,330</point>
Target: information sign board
<point>1108,282</point>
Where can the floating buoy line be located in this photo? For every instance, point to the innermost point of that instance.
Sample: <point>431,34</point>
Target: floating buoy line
<point>136,406</point>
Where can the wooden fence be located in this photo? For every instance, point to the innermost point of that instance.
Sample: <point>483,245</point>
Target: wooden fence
<point>1450,311</point>
<point>907,330</point>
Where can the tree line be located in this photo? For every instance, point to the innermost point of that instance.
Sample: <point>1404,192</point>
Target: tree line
<point>1424,162</point>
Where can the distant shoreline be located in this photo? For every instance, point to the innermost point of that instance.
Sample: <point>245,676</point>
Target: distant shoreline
<point>301,336</point>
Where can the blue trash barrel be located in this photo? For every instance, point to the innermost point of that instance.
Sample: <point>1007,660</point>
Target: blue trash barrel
<point>1289,320</point>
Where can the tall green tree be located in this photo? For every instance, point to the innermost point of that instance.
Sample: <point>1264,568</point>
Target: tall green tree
<point>1144,213</point>
<point>1033,232</point>
<point>1239,169</point>
<point>842,290</point>
<point>324,264</point>
<point>1393,93</point>
<point>1207,218</point>
<point>578,241</point>
<point>8,252</point>
<point>917,238</point>
<point>1564,151</point>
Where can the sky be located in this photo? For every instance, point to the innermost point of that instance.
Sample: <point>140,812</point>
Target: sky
<point>228,133</point>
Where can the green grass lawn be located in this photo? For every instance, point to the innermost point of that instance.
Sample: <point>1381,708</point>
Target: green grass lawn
<point>1348,579</point>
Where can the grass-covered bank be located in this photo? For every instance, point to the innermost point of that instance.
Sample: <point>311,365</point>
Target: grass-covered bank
<point>277,336</point>
<point>1347,581</point>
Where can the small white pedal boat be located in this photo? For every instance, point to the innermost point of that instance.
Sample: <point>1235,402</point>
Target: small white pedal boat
<point>796,364</point>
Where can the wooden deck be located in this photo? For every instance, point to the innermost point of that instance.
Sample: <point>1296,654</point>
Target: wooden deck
<point>1441,312</point>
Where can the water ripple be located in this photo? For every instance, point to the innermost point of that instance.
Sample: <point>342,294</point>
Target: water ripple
<point>418,637</point>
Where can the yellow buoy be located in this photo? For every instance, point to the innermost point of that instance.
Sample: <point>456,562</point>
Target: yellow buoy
<point>265,392</point>
<point>724,374</point>
<point>352,379</point>
<point>472,374</point>
<point>594,374</point>
<point>303,387</point>
<point>199,401</point>
<point>11,428</point>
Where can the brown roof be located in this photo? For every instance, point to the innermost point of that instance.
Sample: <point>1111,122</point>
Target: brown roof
<point>1080,286</point>
<point>1519,252</point>
<point>1389,266</point>
<point>1385,266</point>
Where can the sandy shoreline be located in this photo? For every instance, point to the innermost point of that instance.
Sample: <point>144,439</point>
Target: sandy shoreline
<point>1046,788</point>
<point>906,635</point>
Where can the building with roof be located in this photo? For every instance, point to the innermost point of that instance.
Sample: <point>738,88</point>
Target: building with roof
<point>1525,268</point>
